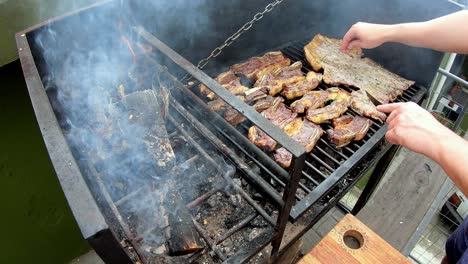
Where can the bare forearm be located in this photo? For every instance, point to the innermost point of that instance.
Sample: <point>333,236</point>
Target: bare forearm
<point>453,158</point>
<point>448,33</point>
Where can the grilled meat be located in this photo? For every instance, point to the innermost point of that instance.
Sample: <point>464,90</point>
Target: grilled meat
<point>259,138</point>
<point>233,117</point>
<point>256,67</point>
<point>328,112</point>
<point>280,116</point>
<point>311,100</point>
<point>299,88</point>
<point>219,104</point>
<point>286,75</point>
<point>255,94</point>
<point>352,70</point>
<point>338,95</point>
<point>283,157</point>
<point>229,81</point>
<point>361,103</point>
<point>304,132</point>
<point>348,129</point>
<point>342,120</point>
<point>265,103</point>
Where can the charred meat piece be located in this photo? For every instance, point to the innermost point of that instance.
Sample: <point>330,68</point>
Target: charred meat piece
<point>352,70</point>
<point>280,116</point>
<point>229,81</point>
<point>342,120</point>
<point>338,95</point>
<point>361,103</point>
<point>233,117</point>
<point>348,129</point>
<point>255,94</point>
<point>260,139</point>
<point>304,132</point>
<point>286,75</point>
<point>219,104</point>
<point>298,89</point>
<point>256,67</point>
<point>283,157</point>
<point>265,103</point>
<point>311,100</point>
<point>328,112</point>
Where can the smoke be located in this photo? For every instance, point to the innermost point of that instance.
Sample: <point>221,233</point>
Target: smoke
<point>100,79</point>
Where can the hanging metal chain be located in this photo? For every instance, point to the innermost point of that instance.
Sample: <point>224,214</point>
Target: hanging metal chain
<point>202,63</point>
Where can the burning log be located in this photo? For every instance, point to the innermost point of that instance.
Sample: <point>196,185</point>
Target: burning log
<point>147,120</point>
<point>183,237</point>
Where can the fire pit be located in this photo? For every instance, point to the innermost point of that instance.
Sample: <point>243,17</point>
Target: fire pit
<point>150,172</point>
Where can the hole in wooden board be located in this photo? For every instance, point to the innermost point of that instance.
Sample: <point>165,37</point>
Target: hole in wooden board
<point>353,239</point>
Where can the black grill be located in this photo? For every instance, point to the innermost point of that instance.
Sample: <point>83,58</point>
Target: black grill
<point>285,203</point>
<point>325,165</point>
<point>328,172</point>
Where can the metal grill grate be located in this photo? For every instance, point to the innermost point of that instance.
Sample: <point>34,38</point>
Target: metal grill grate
<point>325,165</point>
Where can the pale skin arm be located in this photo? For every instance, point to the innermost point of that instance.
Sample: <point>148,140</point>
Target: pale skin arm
<point>411,126</point>
<point>448,33</point>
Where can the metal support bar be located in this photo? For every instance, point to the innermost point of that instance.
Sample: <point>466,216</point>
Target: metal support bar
<point>273,131</point>
<point>453,77</point>
<point>374,179</point>
<point>288,197</point>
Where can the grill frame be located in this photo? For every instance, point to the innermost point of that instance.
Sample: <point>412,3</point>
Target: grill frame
<point>94,228</point>
<point>287,209</point>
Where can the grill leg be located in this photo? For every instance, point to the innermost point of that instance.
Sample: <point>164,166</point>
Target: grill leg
<point>108,248</point>
<point>288,197</point>
<point>374,179</point>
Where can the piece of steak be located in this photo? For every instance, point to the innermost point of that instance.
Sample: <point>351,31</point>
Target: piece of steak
<point>361,103</point>
<point>352,70</point>
<point>229,81</point>
<point>311,100</point>
<point>347,129</point>
<point>304,132</point>
<point>298,89</point>
<point>329,112</point>
<point>280,116</point>
<point>286,75</point>
<point>256,67</point>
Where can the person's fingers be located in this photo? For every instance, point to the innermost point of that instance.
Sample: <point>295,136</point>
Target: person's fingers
<point>387,108</point>
<point>392,136</point>
<point>348,37</point>
<point>354,44</point>
<point>391,117</point>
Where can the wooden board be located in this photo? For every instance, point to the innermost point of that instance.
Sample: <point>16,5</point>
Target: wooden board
<point>403,197</point>
<point>333,249</point>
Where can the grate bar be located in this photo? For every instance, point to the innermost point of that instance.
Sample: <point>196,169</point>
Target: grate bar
<point>327,155</point>
<point>332,148</point>
<point>330,169</point>
<point>310,178</point>
<point>316,170</point>
<point>242,166</point>
<point>283,176</point>
<point>202,198</point>
<point>236,228</point>
<point>209,241</point>
<point>240,162</point>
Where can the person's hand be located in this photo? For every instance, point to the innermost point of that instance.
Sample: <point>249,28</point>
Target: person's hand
<point>411,126</point>
<point>364,35</point>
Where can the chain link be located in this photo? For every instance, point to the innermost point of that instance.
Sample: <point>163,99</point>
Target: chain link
<point>202,63</point>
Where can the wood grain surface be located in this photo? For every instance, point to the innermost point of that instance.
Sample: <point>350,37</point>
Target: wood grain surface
<point>333,249</point>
